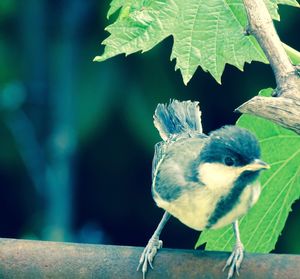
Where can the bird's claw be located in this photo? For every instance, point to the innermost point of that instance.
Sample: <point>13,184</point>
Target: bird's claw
<point>154,244</point>
<point>235,259</point>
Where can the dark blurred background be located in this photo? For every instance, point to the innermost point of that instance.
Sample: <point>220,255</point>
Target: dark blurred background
<point>76,137</point>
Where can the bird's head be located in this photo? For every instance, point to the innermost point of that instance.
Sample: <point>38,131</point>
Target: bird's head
<point>229,153</point>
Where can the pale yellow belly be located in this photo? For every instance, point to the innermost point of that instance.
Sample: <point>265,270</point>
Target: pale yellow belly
<point>194,208</point>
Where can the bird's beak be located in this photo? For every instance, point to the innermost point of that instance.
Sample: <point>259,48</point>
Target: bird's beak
<point>257,165</point>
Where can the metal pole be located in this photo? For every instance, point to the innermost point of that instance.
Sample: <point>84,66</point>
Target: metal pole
<point>42,259</point>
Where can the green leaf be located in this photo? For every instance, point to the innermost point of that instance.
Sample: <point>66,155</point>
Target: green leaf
<point>261,227</point>
<point>206,33</point>
<point>117,4</point>
<point>272,6</point>
<point>293,54</point>
<point>114,6</point>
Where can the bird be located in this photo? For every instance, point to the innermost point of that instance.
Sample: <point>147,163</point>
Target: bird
<point>205,181</point>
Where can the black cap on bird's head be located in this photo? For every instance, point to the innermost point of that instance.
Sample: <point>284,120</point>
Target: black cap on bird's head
<point>233,146</point>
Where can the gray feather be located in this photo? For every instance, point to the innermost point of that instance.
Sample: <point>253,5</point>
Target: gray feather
<point>177,118</point>
<point>174,175</point>
<point>159,151</point>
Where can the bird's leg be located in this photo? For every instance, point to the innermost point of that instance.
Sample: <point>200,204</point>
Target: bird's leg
<point>237,255</point>
<point>153,245</point>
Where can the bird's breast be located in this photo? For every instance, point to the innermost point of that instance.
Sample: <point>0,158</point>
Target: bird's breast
<point>192,208</point>
<point>247,198</point>
<point>196,208</point>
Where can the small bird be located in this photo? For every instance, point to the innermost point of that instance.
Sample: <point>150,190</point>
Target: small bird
<point>205,181</point>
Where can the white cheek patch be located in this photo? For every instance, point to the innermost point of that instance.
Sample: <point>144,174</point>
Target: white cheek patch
<point>218,176</point>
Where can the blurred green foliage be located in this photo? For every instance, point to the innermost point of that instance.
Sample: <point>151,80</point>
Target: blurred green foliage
<point>7,8</point>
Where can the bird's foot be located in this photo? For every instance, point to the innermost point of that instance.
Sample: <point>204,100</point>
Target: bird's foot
<point>154,244</point>
<point>235,260</point>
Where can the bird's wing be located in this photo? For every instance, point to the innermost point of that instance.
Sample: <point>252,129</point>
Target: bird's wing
<point>173,167</point>
<point>161,147</point>
<point>159,151</point>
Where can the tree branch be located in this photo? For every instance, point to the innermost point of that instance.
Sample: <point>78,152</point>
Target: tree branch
<point>283,111</point>
<point>261,26</point>
<point>37,259</point>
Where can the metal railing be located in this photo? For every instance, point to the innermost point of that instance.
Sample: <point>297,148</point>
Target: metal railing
<point>41,259</point>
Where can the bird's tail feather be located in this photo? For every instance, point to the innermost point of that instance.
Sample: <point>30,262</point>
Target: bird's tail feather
<point>177,118</point>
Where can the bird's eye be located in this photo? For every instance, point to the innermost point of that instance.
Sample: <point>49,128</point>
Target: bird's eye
<point>229,161</point>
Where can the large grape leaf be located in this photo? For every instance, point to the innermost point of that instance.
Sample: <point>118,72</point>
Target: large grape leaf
<point>261,227</point>
<point>206,33</point>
